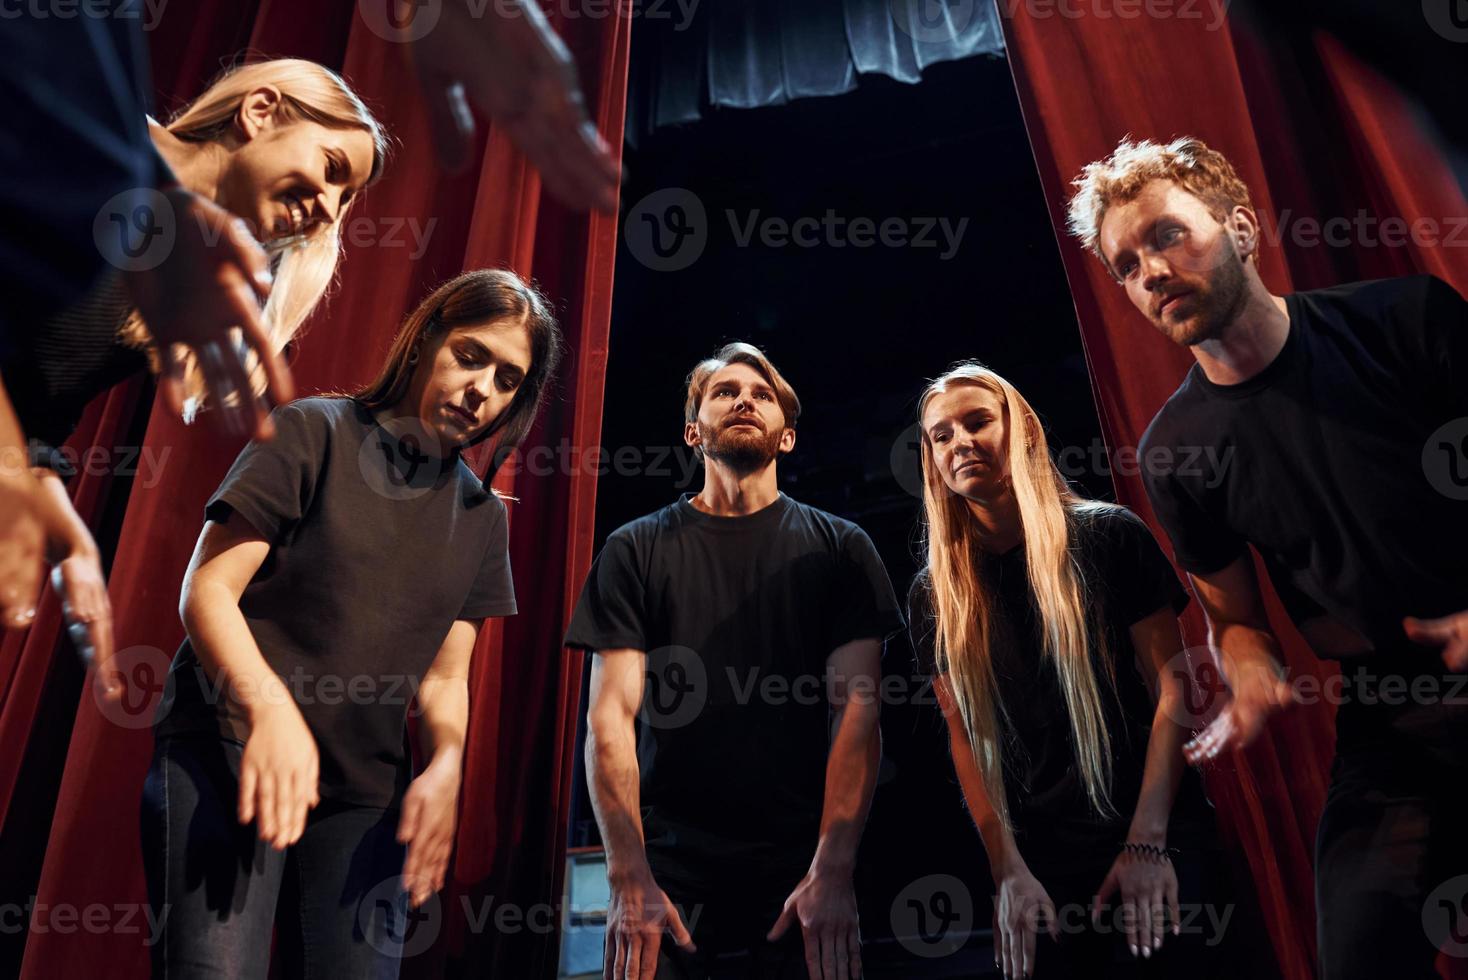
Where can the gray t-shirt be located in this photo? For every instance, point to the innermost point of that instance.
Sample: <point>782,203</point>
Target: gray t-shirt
<point>375,551</point>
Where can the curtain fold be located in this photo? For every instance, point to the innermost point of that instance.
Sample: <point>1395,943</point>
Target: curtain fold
<point>1281,114</point>
<point>415,229</point>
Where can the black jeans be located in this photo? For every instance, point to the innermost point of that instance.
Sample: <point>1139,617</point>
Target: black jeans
<point>1391,864</point>
<point>220,892</point>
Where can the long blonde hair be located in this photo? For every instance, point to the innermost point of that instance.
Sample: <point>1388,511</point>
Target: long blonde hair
<point>963,606</point>
<point>303,271</point>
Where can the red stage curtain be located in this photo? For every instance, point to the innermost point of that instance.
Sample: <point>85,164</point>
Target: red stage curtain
<point>524,692</point>
<point>1283,112</point>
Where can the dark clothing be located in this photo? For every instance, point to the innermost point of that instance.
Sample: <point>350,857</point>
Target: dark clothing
<point>1346,470</point>
<point>374,554</point>
<point>53,371</point>
<point>737,616</point>
<point>1217,929</point>
<point>1127,579</point>
<point>75,136</point>
<point>1390,839</point>
<point>729,928</point>
<point>219,892</point>
<point>1326,461</point>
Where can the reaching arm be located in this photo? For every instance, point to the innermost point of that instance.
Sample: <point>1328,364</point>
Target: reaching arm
<point>639,910</point>
<point>430,806</point>
<point>1239,629</point>
<point>280,768</point>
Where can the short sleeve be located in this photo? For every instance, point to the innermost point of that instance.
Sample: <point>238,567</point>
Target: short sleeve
<point>1140,579</point>
<point>1201,542</point>
<point>493,591</point>
<point>271,483</point>
<point>611,613</point>
<point>922,624</point>
<point>865,605</point>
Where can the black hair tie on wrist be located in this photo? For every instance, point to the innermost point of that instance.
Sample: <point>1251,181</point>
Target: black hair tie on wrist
<point>1152,851</point>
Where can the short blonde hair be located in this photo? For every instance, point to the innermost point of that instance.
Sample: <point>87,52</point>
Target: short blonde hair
<point>1190,163</point>
<point>739,353</point>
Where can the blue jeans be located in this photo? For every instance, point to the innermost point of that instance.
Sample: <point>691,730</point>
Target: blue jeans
<point>332,898</point>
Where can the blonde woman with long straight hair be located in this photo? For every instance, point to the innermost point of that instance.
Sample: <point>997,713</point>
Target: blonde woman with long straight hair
<point>1047,621</point>
<point>285,146</point>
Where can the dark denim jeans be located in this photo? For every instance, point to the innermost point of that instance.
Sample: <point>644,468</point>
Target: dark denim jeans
<point>220,892</point>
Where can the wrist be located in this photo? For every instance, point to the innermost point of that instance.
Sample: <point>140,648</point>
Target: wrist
<point>265,700</point>
<point>1151,833</point>
<point>446,759</point>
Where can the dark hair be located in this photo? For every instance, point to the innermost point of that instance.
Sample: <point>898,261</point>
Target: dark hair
<point>476,297</point>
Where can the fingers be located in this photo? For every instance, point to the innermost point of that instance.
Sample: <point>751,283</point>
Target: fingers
<point>1052,920</point>
<point>1108,885</point>
<point>648,954</point>
<point>853,953</point>
<point>248,783</point>
<point>221,383</point>
<point>680,932</point>
<point>249,257</point>
<point>284,806</point>
<point>783,923</point>
<point>1011,951</point>
<point>265,806</point>
<point>170,378</point>
<point>812,954</point>
<point>619,964</point>
<point>1174,915</point>
<point>825,942</point>
<point>634,957</point>
<point>1138,924</point>
<point>1027,948</point>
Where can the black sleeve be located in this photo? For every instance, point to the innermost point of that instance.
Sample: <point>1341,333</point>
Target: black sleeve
<point>1201,542</point>
<point>493,592</point>
<point>1140,579</point>
<point>271,483</point>
<point>922,624</point>
<point>611,613</point>
<point>80,160</point>
<point>1442,332</point>
<point>866,606</point>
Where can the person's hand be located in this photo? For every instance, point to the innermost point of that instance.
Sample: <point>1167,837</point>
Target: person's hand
<point>1148,887</point>
<point>1022,908</point>
<point>214,280</point>
<point>279,773</point>
<point>510,64</point>
<point>22,547</point>
<point>824,904</point>
<point>87,609</point>
<point>429,815</point>
<point>636,917</point>
<point>1258,692</point>
<point>1449,632</point>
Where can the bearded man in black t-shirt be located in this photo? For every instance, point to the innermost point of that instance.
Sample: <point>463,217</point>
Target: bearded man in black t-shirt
<point>744,632</point>
<point>1328,429</point>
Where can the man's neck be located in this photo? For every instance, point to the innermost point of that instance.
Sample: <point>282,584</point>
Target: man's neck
<point>1250,342</point>
<point>729,493</point>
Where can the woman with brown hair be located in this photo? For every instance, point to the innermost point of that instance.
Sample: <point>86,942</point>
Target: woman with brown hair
<point>1048,621</point>
<point>343,572</point>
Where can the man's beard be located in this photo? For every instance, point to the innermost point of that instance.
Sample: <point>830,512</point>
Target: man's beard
<point>742,450</point>
<point>1215,304</point>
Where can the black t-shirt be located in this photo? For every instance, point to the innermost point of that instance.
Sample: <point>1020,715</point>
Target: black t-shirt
<point>1127,578</point>
<point>737,616</point>
<point>1333,461</point>
<point>375,552</point>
